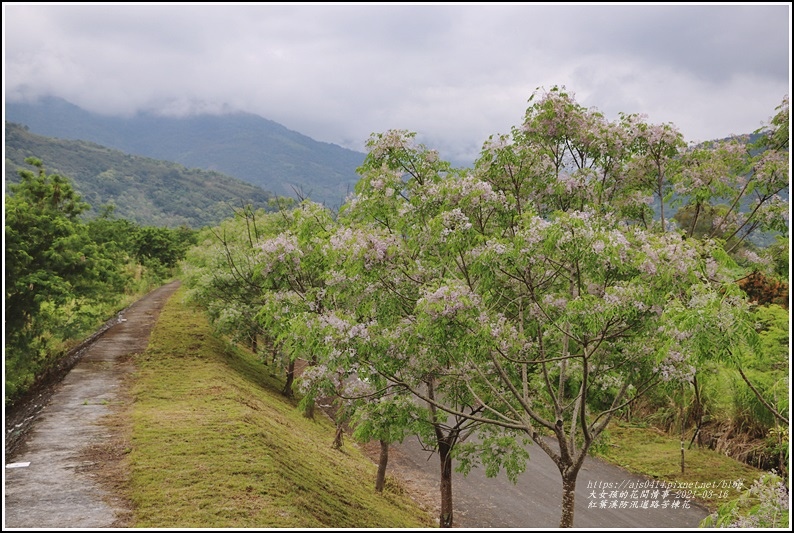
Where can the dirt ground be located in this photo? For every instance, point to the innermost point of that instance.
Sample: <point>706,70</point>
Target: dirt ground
<point>71,458</point>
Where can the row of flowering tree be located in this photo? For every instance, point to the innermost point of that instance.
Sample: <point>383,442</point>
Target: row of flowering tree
<point>530,298</point>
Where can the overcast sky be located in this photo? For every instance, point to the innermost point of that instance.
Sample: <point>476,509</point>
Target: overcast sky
<point>453,73</point>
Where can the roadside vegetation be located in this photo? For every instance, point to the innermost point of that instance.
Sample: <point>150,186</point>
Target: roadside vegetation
<point>737,494</point>
<point>650,452</point>
<point>216,445</point>
<point>66,274</point>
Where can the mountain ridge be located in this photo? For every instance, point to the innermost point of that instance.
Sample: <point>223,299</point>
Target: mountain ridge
<point>141,189</point>
<point>242,145</point>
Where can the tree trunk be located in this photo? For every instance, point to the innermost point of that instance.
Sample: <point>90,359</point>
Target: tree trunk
<point>380,481</point>
<point>568,500</point>
<point>696,411</point>
<point>338,436</point>
<point>308,410</point>
<point>444,452</point>
<point>290,378</point>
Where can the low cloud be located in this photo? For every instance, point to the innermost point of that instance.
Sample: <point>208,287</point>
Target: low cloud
<point>454,74</point>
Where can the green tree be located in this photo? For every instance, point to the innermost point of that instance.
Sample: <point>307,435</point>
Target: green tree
<point>159,246</point>
<point>527,285</point>
<point>54,271</point>
<point>535,295</point>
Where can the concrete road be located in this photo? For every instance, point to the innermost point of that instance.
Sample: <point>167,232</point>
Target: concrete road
<point>50,483</point>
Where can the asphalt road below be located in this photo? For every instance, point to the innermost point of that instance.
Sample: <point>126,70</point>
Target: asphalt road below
<point>535,500</point>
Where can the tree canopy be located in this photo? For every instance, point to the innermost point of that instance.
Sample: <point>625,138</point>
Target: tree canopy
<point>535,296</point>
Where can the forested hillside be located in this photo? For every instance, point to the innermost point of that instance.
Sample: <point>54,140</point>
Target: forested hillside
<point>243,145</point>
<point>143,190</point>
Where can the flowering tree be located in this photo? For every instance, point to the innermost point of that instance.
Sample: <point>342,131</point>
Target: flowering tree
<point>539,279</point>
<point>219,274</point>
<point>374,408</point>
<point>535,296</point>
<point>382,298</point>
<point>290,267</point>
<point>563,309</point>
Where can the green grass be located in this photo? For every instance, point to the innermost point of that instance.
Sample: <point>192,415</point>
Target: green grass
<point>650,452</point>
<point>214,445</point>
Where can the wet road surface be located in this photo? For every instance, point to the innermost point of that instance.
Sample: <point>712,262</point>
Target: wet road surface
<point>52,484</point>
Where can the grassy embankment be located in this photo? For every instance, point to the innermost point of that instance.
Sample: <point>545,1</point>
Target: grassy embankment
<point>650,452</point>
<point>215,445</point>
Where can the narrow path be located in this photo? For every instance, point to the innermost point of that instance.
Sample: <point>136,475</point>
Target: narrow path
<point>50,479</point>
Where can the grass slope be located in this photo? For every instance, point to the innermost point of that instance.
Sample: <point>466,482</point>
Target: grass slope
<point>214,445</point>
<point>648,451</point>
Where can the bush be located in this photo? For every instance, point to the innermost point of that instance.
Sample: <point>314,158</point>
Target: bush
<point>764,505</point>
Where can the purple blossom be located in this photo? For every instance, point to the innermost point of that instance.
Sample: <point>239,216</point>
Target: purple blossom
<point>282,246</point>
<point>454,220</point>
<point>382,144</point>
<point>370,246</point>
<point>447,301</point>
<point>675,367</point>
